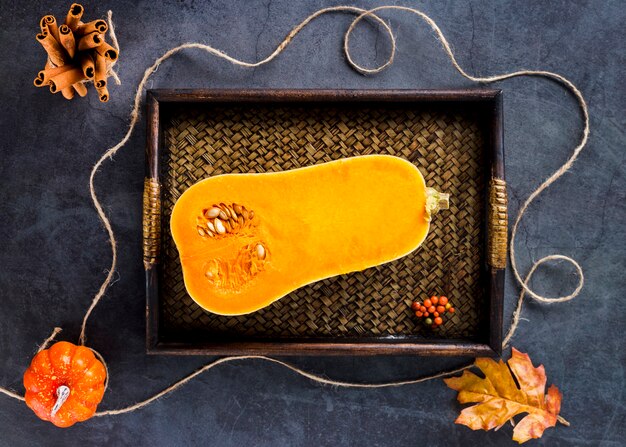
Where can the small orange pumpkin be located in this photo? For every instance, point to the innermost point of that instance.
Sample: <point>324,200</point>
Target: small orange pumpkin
<point>64,384</point>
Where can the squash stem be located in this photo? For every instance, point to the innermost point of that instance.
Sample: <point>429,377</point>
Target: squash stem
<point>436,201</point>
<point>63,392</point>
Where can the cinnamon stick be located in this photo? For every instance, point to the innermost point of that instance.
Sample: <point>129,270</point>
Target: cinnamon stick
<point>100,77</point>
<point>74,15</point>
<point>107,51</point>
<point>66,79</point>
<point>68,92</point>
<point>55,51</point>
<point>43,25</point>
<point>38,82</point>
<point>103,94</point>
<point>87,65</point>
<point>80,88</point>
<point>49,24</point>
<point>66,38</point>
<point>96,26</point>
<point>91,40</point>
<point>49,73</point>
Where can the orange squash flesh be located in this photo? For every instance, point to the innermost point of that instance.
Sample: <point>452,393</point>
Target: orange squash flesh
<point>310,223</point>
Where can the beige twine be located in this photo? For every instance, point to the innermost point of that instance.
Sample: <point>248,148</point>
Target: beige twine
<point>47,341</point>
<point>134,116</point>
<point>115,45</point>
<point>297,370</point>
<point>11,394</point>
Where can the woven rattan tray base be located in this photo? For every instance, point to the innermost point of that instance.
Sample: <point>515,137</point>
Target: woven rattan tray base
<point>446,146</point>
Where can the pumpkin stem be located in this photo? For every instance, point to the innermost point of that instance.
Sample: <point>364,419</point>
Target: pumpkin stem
<point>63,392</point>
<point>436,201</point>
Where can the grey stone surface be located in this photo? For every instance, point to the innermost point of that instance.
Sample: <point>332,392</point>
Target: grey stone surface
<point>53,249</point>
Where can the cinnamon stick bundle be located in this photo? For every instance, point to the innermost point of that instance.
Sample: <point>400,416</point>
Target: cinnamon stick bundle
<point>77,53</point>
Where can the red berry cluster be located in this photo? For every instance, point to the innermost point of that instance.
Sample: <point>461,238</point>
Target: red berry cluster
<point>432,310</point>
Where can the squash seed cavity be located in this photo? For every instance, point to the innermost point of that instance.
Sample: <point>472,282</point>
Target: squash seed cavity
<point>233,274</point>
<point>223,219</point>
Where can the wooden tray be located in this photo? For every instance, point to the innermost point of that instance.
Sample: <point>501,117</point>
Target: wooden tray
<point>454,137</point>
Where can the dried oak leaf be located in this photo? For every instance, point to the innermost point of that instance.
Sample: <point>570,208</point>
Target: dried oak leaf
<point>500,399</point>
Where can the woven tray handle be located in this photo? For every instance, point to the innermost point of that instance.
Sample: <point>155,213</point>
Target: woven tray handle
<point>497,224</point>
<point>151,222</point>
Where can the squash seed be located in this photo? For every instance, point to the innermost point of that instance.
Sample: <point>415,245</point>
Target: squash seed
<point>211,226</point>
<point>223,215</point>
<point>212,213</point>
<point>219,226</point>
<point>201,232</point>
<point>260,251</point>
<point>237,208</point>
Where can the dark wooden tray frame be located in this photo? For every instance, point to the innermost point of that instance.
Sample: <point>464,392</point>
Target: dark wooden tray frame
<point>490,104</point>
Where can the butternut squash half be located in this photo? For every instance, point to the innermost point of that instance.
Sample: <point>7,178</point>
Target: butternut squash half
<point>246,240</point>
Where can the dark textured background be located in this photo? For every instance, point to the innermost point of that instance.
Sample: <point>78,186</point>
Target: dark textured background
<point>53,248</point>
